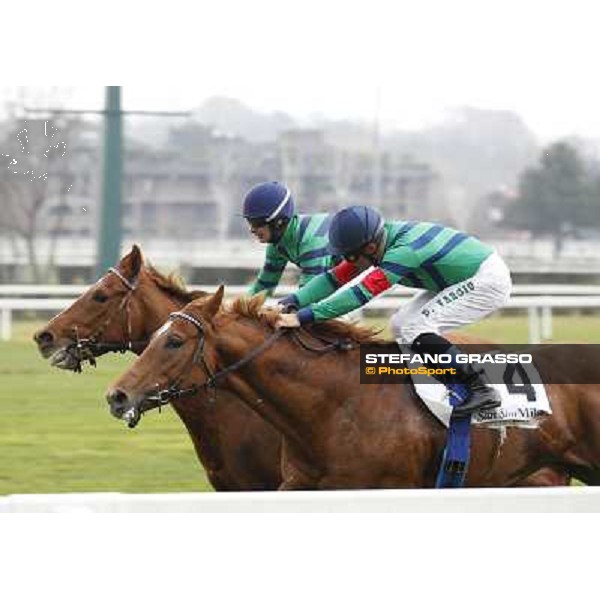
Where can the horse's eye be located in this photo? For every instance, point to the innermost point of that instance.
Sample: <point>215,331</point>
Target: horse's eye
<point>174,342</point>
<point>100,297</point>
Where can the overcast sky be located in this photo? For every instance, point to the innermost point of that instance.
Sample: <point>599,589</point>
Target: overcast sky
<point>406,61</point>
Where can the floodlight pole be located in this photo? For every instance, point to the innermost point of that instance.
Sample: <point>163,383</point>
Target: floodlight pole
<point>110,231</point>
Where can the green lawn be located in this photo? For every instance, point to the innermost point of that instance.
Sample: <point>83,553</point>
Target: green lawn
<point>56,434</point>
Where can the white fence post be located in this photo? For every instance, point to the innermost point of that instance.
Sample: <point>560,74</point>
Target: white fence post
<point>534,325</point>
<point>5,324</point>
<point>547,332</point>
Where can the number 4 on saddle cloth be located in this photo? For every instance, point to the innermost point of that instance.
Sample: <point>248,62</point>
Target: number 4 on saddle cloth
<point>523,397</point>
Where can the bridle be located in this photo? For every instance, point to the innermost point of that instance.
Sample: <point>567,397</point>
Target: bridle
<point>87,349</point>
<point>213,377</point>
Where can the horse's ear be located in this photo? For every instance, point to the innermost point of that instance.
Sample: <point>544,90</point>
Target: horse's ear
<point>137,260</point>
<point>212,306</point>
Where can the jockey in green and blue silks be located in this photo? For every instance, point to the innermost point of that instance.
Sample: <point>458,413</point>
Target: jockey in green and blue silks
<point>463,280</point>
<point>300,239</point>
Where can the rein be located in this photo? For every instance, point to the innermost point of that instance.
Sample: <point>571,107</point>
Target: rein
<point>329,344</point>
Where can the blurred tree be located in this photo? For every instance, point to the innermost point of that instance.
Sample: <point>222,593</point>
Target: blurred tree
<point>474,151</point>
<point>556,197</point>
<point>33,175</point>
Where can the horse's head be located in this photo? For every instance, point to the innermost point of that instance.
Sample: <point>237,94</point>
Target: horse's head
<point>177,352</point>
<point>101,314</point>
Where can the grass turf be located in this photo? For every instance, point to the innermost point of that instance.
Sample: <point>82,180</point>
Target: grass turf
<point>56,434</point>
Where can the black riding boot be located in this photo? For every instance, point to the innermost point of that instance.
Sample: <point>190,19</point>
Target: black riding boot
<point>481,395</point>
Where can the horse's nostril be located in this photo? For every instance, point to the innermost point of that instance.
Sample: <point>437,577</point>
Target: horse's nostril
<point>43,337</point>
<point>117,397</point>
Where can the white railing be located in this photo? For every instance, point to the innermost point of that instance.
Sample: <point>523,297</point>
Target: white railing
<point>558,499</point>
<point>521,255</point>
<point>539,307</point>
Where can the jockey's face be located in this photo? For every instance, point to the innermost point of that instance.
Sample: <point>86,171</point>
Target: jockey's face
<point>365,257</point>
<point>261,231</point>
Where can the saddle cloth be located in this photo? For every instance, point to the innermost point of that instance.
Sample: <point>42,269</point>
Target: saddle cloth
<point>523,401</point>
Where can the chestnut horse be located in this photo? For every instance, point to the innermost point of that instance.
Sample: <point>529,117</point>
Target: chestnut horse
<point>237,448</point>
<point>341,434</point>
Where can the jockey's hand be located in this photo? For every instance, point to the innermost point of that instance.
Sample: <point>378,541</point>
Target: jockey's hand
<point>287,320</point>
<point>289,304</point>
<point>288,308</point>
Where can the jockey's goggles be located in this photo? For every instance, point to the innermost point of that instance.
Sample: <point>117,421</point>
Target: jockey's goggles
<point>355,254</point>
<point>257,221</point>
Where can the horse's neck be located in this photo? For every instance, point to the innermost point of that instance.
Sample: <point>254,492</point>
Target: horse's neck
<point>155,306</point>
<point>273,384</point>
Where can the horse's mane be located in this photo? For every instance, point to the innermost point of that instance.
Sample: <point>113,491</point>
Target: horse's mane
<point>174,285</point>
<point>252,308</point>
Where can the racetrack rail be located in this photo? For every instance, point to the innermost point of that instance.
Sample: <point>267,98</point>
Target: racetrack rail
<point>559,499</point>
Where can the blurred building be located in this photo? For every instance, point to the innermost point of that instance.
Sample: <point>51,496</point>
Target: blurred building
<point>325,177</point>
<point>193,186</point>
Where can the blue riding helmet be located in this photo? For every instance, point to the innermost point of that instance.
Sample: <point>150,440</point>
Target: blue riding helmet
<point>352,228</point>
<point>269,201</point>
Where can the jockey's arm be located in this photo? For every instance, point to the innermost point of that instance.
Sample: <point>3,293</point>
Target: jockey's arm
<point>269,276</point>
<point>370,285</point>
<point>322,286</point>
